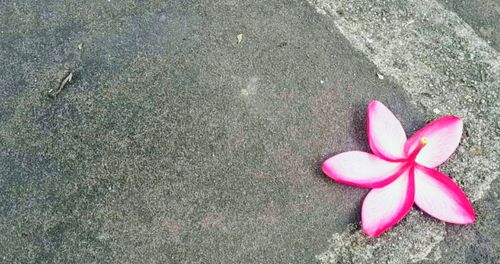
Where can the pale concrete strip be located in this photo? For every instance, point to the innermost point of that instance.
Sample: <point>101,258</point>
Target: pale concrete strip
<point>446,69</point>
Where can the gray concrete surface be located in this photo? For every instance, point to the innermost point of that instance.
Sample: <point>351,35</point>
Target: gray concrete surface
<point>174,143</point>
<point>482,15</point>
<point>446,68</point>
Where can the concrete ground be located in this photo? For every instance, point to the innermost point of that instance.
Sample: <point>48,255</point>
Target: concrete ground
<point>193,131</point>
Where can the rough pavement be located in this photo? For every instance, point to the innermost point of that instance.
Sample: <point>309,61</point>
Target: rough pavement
<point>444,66</point>
<point>174,143</point>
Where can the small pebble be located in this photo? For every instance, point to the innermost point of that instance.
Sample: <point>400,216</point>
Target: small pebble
<point>475,150</point>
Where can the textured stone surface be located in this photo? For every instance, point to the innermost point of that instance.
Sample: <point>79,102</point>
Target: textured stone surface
<point>446,68</point>
<point>174,143</point>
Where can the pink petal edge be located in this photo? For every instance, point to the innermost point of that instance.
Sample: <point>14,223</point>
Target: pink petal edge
<point>362,169</point>
<point>386,135</point>
<point>443,136</point>
<point>385,207</point>
<point>437,195</point>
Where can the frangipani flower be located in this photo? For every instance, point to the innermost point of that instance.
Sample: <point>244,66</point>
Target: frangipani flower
<point>402,171</point>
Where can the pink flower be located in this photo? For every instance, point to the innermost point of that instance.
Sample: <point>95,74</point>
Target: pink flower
<point>401,171</point>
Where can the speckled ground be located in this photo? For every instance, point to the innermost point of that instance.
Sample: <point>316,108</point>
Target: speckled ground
<point>176,143</point>
<point>446,68</point>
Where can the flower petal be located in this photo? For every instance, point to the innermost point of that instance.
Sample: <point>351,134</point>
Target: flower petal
<point>361,169</point>
<point>386,136</point>
<point>443,136</point>
<point>439,196</point>
<point>384,207</point>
